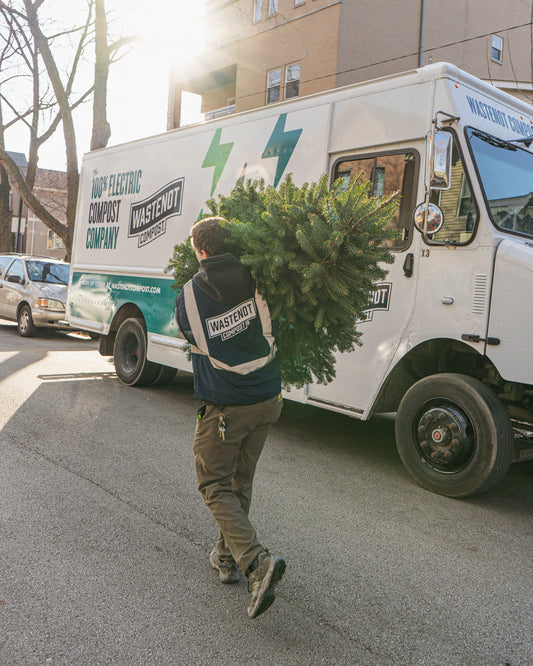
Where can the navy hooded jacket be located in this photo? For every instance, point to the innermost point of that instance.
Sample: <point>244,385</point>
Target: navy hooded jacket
<point>228,324</point>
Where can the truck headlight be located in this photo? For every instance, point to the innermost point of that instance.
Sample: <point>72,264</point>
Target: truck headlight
<point>51,304</point>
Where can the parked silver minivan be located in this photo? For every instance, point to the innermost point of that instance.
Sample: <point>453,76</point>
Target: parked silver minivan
<point>33,291</point>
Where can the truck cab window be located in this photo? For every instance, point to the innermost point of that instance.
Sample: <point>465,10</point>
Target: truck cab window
<point>387,173</point>
<point>457,205</point>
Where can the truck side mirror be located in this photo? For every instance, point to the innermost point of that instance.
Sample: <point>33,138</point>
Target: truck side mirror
<point>440,161</point>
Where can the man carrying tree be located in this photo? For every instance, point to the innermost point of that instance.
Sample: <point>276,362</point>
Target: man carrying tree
<point>237,376</point>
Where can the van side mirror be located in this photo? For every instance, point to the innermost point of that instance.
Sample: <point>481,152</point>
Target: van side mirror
<point>15,278</point>
<point>440,161</point>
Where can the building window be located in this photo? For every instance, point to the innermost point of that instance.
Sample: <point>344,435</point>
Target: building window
<point>496,52</point>
<point>292,80</point>
<point>258,10</point>
<point>378,186</point>
<point>278,89</point>
<point>273,86</point>
<point>272,7</point>
<point>54,241</point>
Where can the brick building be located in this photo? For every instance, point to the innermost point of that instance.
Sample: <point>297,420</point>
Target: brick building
<point>261,51</point>
<point>29,233</point>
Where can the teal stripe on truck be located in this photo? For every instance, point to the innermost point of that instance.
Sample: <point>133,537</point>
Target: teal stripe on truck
<point>98,296</point>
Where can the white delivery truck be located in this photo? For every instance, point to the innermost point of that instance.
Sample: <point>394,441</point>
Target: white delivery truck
<point>446,336</point>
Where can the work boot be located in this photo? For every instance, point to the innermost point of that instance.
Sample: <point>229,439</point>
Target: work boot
<point>262,580</point>
<point>228,572</point>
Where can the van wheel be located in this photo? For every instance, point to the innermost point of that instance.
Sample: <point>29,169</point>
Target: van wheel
<point>454,435</point>
<point>131,365</point>
<point>25,325</point>
<point>165,375</point>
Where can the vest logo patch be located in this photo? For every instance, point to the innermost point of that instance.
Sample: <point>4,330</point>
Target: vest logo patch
<point>232,322</point>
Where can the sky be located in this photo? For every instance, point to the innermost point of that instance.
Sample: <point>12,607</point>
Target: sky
<point>138,84</point>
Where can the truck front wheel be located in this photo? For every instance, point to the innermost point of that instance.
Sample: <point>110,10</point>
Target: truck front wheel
<point>131,364</point>
<point>454,435</point>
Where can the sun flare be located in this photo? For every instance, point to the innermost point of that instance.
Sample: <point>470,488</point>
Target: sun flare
<point>171,28</point>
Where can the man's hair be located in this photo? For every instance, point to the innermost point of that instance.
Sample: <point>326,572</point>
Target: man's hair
<point>209,235</point>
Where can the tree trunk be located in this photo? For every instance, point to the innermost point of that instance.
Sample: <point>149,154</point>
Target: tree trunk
<point>66,119</point>
<point>5,212</point>
<point>5,189</point>
<point>101,128</point>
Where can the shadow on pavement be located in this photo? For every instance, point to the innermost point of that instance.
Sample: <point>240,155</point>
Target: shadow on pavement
<point>374,442</point>
<point>30,350</point>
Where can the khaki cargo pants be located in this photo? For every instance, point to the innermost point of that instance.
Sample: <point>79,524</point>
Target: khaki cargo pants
<point>225,471</point>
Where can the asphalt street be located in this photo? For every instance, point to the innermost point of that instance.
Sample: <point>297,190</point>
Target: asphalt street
<point>104,539</point>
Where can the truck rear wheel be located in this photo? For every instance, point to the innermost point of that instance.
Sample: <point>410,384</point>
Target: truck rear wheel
<point>131,364</point>
<point>454,435</point>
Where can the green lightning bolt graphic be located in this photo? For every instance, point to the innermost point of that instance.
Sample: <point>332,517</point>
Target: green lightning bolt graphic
<point>281,145</point>
<point>217,156</point>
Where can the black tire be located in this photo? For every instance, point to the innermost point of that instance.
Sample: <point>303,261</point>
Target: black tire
<point>164,376</point>
<point>131,364</point>
<point>25,325</point>
<point>454,435</point>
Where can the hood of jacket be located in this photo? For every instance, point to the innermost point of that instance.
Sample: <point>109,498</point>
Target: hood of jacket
<point>224,279</point>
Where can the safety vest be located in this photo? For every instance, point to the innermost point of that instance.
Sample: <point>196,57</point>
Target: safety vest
<point>215,332</point>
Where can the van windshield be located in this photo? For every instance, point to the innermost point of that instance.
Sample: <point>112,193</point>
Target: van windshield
<point>45,271</point>
<point>506,173</point>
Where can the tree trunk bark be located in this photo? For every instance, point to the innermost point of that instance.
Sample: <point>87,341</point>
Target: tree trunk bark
<point>101,128</point>
<point>68,126</point>
<point>5,212</point>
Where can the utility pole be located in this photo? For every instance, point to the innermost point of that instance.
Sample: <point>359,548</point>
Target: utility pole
<point>421,35</point>
<point>17,243</point>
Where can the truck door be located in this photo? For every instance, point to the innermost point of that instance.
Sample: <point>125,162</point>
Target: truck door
<point>359,373</point>
<point>456,267</point>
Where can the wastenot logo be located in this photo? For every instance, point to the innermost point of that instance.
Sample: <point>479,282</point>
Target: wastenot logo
<point>148,218</point>
<point>380,300</point>
<point>232,322</point>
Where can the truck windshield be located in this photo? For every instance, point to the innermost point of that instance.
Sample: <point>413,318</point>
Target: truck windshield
<point>506,173</point>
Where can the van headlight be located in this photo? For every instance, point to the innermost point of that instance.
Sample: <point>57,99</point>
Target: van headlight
<point>51,304</point>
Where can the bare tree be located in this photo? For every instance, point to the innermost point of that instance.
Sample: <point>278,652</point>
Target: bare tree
<point>36,56</point>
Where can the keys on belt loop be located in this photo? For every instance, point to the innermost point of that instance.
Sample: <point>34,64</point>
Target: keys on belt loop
<point>222,426</point>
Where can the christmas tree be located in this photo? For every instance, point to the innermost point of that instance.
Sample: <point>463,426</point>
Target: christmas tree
<point>315,254</point>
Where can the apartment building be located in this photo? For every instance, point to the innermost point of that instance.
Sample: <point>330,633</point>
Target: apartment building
<point>261,51</point>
